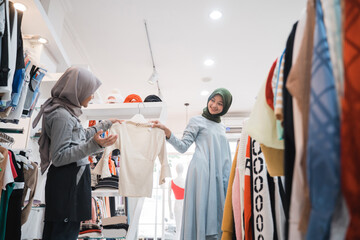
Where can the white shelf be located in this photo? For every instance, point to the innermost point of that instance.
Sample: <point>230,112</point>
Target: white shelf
<point>36,22</point>
<point>150,110</point>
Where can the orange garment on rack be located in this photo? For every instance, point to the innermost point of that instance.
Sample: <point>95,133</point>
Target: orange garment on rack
<point>112,167</point>
<point>350,128</point>
<point>247,194</point>
<point>91,123</point>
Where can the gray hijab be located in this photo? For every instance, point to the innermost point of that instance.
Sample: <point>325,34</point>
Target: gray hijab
<point>72,88</point>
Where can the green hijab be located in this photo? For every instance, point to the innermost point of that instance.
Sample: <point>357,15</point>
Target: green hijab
<point>227,100</point>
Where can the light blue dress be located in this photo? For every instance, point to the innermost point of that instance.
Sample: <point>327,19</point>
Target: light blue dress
<point>206,180</point>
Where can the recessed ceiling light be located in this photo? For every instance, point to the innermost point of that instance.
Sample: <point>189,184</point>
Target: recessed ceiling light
<point>204,93</point>
<point>206,79</point>
<point>209,62</point>
<point>42,40</point>
<point>20,7</point>
<point>215,15</point>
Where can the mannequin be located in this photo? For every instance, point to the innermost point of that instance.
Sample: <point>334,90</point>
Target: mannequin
<point>177,186</point>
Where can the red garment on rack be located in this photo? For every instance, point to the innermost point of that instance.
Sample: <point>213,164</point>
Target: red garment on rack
<point>13,170</point>
<point>178,191</point>
<point>268,90</point>
<point>350,128</point>
<point>247,195</point>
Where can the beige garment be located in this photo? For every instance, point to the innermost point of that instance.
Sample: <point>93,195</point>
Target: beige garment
<point>262,124</point>
<point>139,147</point>
<point>30,179</point>
<point>3,163</point>
<point>5,113</point>
<point>298,84</point>
<point>279,94</point>
<point>274,159</point>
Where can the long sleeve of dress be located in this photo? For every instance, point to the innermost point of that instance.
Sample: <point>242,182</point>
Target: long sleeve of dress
<point>189,136</point>
<point>65,147</point>
<point>103,125</point>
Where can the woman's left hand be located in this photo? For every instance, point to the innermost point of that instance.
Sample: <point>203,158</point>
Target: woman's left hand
<point>113,120</point>
<point>106,141</point>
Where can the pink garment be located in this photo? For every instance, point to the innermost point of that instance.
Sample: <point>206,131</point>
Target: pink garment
<point>107,205</point>
<point>93,210</point>
<point>236,203</point>
<point>13,170</point>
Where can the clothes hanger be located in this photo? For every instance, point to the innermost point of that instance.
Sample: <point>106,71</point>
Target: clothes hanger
<point>139,118</point>
<point>25,160</point>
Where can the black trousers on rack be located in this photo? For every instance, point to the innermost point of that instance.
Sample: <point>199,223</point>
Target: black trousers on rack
<point>13,220</point>
<point>61,230</point>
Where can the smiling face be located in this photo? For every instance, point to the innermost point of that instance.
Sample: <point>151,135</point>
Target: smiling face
<point>215,105</point>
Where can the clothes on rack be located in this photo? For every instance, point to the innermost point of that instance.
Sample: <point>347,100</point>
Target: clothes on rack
<point>12,178</point>
<point>309,202</point>
<point>25,92</point>
<point>350,130</point>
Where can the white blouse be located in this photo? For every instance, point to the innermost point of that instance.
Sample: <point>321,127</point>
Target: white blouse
<point>139,145</point>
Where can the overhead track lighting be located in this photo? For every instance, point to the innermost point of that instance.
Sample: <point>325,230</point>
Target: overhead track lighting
<point>154,78</point>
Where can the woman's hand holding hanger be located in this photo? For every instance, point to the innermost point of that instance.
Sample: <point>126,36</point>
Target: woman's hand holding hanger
<point>158,124</point>
<point>113,120</point>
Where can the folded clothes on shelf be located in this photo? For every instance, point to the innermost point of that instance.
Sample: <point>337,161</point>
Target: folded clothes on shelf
<point>117,226</point>
<point>110,182</point>
<point>114,233</point>
<point>114,220</point>
<point>92,233</point>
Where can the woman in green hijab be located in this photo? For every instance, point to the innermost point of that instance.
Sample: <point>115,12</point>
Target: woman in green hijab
<point>209,169</point>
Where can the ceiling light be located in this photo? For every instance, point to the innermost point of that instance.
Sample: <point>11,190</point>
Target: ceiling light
<point>20,7</point>
<point>153,78</point>
<point>215,15</point>
<point>204,93</point>
<point>42,40</point>
<point>206,79</point>
<point>209,62</point>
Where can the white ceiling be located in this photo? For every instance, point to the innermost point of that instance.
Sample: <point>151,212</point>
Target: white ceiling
<point>110,37</point>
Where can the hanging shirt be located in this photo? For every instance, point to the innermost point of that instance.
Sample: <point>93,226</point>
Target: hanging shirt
<point>323,146</point>
<point>262,213</point>
<point>350,164</point>
<point>139,145</point>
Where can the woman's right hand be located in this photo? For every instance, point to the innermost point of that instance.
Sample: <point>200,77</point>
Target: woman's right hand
<point>157,124</point>
<point>106,141</point>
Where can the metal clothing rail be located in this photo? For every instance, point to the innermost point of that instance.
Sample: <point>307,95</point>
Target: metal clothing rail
<point>12,130</point>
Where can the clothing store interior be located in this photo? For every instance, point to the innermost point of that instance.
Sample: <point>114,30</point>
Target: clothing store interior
<point>168,120</point>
